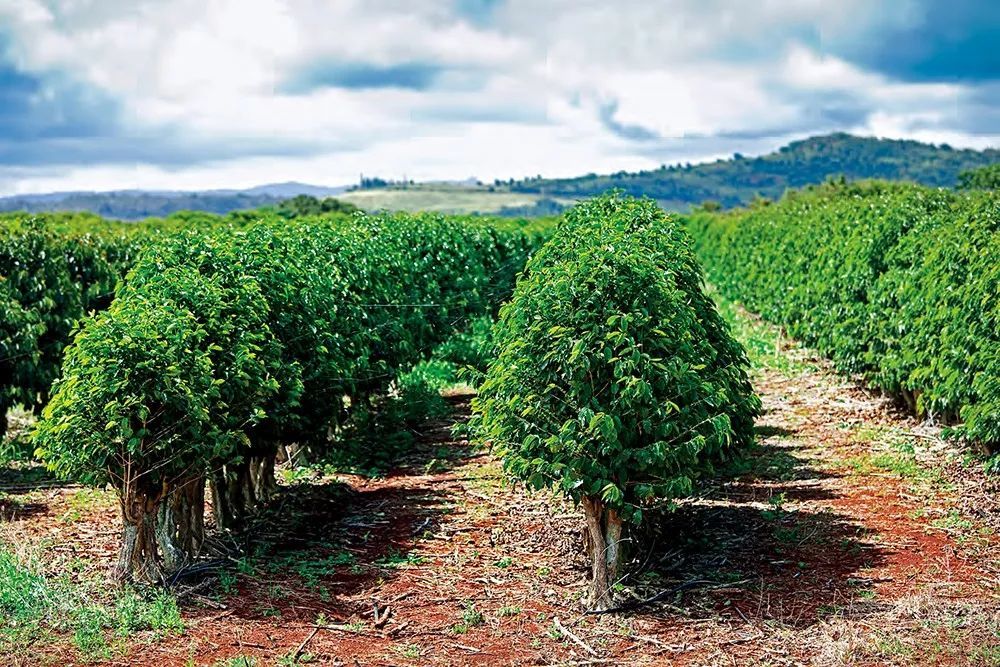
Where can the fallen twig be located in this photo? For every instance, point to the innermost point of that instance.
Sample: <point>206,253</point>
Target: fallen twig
<point>208,602</point>
<point>397,629</point>
<point>302,646</point>
<point>470,649</point>
<point>419,529</point>
<point>662,595</point>
<point>381,620</point>
<point>340,627</point>
<point>576,640</point>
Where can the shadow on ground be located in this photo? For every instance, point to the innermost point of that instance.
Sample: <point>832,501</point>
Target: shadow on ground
<point>764,432</point>
<point>18,483</point>
<point>320,544</point>
<point>759,545</point>
<point>18,477</point>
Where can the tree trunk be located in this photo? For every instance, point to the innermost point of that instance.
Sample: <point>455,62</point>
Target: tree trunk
<point>180,530</point>
<point>246,491</point>
<point>262,476</point>
<point>227,506</point>
<point>232,495</point>
<point>238,488</point>
<point>603,542</point>
<point>138,557</point>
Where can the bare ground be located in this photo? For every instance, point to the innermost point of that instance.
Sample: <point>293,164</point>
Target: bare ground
<point>851,535</point>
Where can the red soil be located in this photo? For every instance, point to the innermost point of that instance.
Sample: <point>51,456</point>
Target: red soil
<point>802,558</point>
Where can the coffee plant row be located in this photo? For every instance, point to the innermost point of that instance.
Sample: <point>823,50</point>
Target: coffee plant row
<point>616,381</point>
<point>897,283</point>
<point>224,341</point>
<point>54,269</point>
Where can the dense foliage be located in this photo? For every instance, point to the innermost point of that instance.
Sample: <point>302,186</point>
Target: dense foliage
<point>225,341</point>
<point>52,272</point>
<point>303,205</point>
<point>615,381</point>
<point>737,181</point>
<point>984,178</point>
<point>56,268</point>
<point>898,283</point>
<point>140,205</point>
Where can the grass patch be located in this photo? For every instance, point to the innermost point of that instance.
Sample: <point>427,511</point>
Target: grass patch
<point>889,462</point>
<point>441,199</point>
<point>893,452</point>
<point>932,633</point>
<point>398,559</point>
<point>766,344</point>
<point>236,661</point>
<point>953,521</point>
<point>890,646</point>
<point>411,651</point>
<point>314,570</point>
<point>84,502</point>
<point>471,618</point>
<point>34,606</point>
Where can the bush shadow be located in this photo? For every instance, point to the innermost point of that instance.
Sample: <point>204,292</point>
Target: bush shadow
<point>742,549</point>
<point>319,545</point>
<point>17,478</point>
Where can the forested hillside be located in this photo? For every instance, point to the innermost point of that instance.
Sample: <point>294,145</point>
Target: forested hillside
<point>730,182</point>
<point>739,179</point>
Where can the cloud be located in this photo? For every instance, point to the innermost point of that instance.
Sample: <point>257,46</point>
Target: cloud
<point>624,130</point>
<point>234,92</point>
<point>931,41</point>
<point>49,105</point>
<point>50,118</point>
<point>363,76</point>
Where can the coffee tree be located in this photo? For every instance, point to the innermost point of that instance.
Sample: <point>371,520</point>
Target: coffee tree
<point>54,269</point>
<point>154,391</point>
<point>615,380</point>
<point>223,343</point>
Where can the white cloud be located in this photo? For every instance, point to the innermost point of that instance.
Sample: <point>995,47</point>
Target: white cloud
<point>557,87</point>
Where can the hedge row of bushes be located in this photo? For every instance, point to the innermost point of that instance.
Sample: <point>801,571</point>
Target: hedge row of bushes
<point>222,343</point>
<point>898,283</point>
<point>53,270</point>
<point>615,381</point>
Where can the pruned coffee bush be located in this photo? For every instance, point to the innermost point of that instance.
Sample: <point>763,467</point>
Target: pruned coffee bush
<point>615,381</point>
<point>224,342</point>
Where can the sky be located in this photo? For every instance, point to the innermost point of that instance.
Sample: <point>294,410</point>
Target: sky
<point>198,94</point>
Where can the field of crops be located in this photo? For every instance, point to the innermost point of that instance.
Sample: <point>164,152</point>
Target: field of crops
<point>442,199</point>
<point>896,283</point>
<point>319,437</point>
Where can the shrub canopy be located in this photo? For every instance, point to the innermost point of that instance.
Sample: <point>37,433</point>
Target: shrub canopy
<point>615,377</point>
<point>896,282</point>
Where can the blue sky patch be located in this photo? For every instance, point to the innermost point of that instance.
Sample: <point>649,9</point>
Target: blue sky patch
<point>363,76</point>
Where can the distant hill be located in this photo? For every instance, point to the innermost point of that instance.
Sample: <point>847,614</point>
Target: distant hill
<point>137,204</point>
<point>730,182</point>
<point>443,198</point>
<point>293,188</point>
<point>738,180</point>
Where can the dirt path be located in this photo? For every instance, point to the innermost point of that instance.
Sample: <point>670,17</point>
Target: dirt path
<point>850,536</point>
